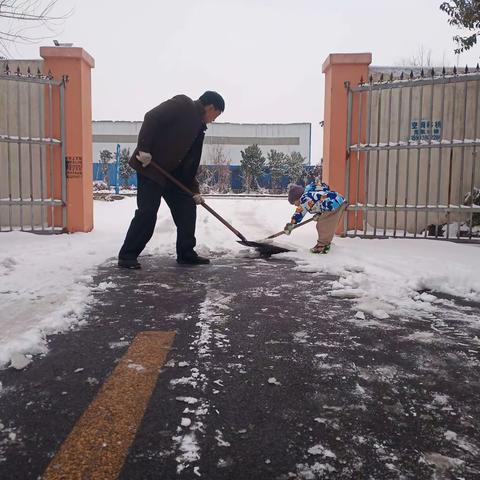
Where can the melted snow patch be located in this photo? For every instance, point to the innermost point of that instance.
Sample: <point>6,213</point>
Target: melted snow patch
<point>313,472</point>
<point>441,463</point>
<point>319,449</point>
<point>189,450</point>
<point>136,366</point>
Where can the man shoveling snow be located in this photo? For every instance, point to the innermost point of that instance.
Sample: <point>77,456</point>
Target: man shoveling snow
<point>326,205</point>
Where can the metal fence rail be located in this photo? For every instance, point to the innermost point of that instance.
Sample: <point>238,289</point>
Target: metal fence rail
<point>32,193</point>
<point>413,168</point>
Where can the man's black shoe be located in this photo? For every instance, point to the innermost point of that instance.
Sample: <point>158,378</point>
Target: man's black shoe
<point>193,260</point>
<point>131,264</point>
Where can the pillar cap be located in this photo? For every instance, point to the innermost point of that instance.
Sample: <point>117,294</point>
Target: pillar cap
<point>67,52</point>
<point>346,59</point>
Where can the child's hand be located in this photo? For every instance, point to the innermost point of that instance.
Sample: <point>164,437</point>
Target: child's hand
<point>287,229</point>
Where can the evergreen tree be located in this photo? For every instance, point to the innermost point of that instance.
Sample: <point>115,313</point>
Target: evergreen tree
<point>295,166</point>
<point>277,162</point>
<point>253,165</point>
<point>125,169</point>
<point>106,156</point>
<point>464,14</point>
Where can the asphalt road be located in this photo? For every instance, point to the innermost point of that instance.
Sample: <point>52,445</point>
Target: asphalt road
<point>268,377</point>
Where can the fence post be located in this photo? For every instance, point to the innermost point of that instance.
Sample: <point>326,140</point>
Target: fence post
<point>76,64</point>
<point>117,169</point>
<point>340,68</point>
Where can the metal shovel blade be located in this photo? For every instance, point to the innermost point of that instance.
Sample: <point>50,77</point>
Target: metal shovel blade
<point>265,249</point>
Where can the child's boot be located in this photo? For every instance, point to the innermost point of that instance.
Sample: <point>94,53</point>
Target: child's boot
<point>323,249</point>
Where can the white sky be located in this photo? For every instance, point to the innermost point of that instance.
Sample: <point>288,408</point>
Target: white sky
<point>263,56</point>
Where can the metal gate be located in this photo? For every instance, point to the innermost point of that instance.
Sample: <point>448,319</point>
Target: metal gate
<point>32,152</point>
<point>413,167</point>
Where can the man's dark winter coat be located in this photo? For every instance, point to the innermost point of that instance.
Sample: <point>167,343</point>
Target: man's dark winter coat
<point>173,134</point>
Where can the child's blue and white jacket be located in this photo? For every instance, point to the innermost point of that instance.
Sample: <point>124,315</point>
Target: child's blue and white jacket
<point>317,198</point>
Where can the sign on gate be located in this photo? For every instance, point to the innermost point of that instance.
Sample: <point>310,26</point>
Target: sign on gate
<point>425,130</point>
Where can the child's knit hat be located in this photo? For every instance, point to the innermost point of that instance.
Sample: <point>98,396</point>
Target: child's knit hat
<point>294,192</point>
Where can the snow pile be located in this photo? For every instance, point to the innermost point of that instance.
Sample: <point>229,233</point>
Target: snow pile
<point>46,282</point>
<point>385,277</point>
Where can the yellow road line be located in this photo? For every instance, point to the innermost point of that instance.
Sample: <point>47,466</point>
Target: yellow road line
<point>98,444</point>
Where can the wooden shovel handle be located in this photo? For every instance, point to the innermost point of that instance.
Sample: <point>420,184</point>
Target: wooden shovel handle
<point>275,235</point>
<point>204,205</point>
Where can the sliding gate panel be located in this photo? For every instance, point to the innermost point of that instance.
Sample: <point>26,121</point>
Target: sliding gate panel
<point>413,167</point>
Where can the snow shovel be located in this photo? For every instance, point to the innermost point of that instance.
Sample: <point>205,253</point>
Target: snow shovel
<point>265,249</point>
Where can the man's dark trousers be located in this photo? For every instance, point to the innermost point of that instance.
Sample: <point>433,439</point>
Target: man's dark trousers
<point>184,213</point>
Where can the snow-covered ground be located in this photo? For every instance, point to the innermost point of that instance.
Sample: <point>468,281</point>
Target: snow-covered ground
<point>46,282</point>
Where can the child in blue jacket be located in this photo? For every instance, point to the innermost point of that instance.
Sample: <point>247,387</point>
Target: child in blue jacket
<point>326,205</point>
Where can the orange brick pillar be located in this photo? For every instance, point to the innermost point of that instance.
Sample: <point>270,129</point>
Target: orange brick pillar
<point>76,63</point>
<point>338,69</point>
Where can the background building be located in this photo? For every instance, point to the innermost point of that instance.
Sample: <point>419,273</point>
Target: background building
<point>223,144</point>
<point>231,138</point>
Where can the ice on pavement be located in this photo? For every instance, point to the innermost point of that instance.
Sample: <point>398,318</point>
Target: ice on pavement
<point>46,282</point>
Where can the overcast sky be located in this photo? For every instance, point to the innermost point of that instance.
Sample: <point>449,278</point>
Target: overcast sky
<point>263,56</point>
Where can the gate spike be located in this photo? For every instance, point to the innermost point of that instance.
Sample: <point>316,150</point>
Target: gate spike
<point>422,73</point>
<point>411,74</point>
<point>18,73</point>
<point>371,78</point>
<point>466,69</point>
<point>401,76</point>
<point>443,71</point>
<point>432,72</point>
<point>391,76</point>
<point>455,70</point>
<point>7,69</point>
<point>478,67</point>
<point>29,72</point>
<point>381,77</point>
<point>39,73</point>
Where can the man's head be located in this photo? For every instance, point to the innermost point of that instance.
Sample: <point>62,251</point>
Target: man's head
<point>294,194</point>
<point>214,105</point>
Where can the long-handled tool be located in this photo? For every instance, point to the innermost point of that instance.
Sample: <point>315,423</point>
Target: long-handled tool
<point>275,235</point>
<point>265,249</point>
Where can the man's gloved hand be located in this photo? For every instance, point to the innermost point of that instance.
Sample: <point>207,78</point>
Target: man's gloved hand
<point>287,229</point>
<point>198,199</point>
<point>144,158</point>
<point>317,216</point>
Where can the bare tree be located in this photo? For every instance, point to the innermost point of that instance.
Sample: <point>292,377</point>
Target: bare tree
<point>221,168</point>
<point>20,21</point>
<point>423,58</point>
